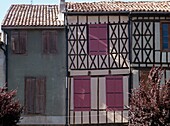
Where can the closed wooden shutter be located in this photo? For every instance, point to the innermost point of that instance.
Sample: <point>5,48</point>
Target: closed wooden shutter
<point>30,83</point>
<point>114,93</point>
<point>45,36</point>
<point>23,41</point>
<point>15,41</point>
<point>53,42</point>
<point>97,39</point>
<point>144,75</point>
<point>49,42</point>
<point>102,39</point>
<point>82,97</point>
<point>40,95</point>
<point>93,39</point>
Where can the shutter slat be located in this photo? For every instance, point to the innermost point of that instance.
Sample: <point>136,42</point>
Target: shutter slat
<point>53,42</point>
<point>30,95</point>
<point>15,41</point>
<point>45,38</point>
<point>40,95</point>
<point>102,39</point>
<point>23,41</point>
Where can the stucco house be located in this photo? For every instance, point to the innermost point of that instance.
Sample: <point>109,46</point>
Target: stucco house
<point>2,61</point>
<point>36,63</point>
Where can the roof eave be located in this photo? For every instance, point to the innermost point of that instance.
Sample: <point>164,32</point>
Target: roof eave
<point>118,12</point>
<point>96,13</point>
<point>31,27</point>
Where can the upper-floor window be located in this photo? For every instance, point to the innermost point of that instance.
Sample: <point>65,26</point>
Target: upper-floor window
<point>165,38</point>
<point>49,42</point>
<point>98,39</point>
<point>19,40</point>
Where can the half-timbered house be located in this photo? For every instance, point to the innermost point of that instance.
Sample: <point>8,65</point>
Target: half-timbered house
<point>98,63</point>
<point>149,32</point>
<point>36,62</point>
<point>111,47</point>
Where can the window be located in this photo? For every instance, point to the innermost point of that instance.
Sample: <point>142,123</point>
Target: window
<point>165,38</point>
<point>49,42</point>
<point>144,75</point>
<point>82,98</point>
<point>19,40</point>
<point>97,39</point>
<point>35,95</point>
<point>114,93</point>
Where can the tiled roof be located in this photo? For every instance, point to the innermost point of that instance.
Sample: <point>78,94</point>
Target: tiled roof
<point>32,15</point>
<point>149,6</point>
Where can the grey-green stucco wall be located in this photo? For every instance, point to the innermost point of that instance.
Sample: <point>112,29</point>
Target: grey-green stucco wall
<point>34,63</point>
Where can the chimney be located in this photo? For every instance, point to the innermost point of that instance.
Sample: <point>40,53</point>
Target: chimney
<point>61,9</point>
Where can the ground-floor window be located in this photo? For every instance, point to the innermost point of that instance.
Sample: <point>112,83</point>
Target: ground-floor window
<point>113,93</point>
<point>35,95</point>
<point>82,96</point>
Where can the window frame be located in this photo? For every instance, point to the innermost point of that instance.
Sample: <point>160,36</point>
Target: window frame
<point>22,45</point>
<point>98,38</point>
<point>161,36</point>
<point>47,44</point>
<point>33,90</point>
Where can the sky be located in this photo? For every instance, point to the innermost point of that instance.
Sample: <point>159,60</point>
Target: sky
<point>5,4</point>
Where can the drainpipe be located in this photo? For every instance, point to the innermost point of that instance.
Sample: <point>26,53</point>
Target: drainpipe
<point>66,32</point>
<point>130,53</point>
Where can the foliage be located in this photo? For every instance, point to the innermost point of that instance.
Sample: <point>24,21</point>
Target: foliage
<point>10,109</point>
<point>150,103</point>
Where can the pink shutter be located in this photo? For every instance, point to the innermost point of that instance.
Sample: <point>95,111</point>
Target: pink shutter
<point>40,95</point>
<point>98,39</point>
<point>82,100</point>
<point>45,39</point>
<point>102,39</point>
<point>30,95</point>
<point>114,93</point>
<point>53,41</point>
<point>15,41</point>
<point>22,42</point>
<point>93,39</point>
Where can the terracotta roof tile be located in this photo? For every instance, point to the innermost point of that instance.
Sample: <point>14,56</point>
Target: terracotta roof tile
<point>32,15</point>
<point>162,6</point>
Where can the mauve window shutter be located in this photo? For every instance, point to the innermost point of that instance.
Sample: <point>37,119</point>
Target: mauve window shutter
<point>102,32</point>
<point>53,42</point>
<point>15,41</point>
<point>93,39</point>
<point>82,97</point>
<point>23,41</point>
<point>30,94</point>
<point>45,39</point>
<point>40,95</point>
<point>114,93</point>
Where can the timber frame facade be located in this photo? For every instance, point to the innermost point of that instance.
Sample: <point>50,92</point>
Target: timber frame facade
<point>98,68</point>
<point>135,41</point>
